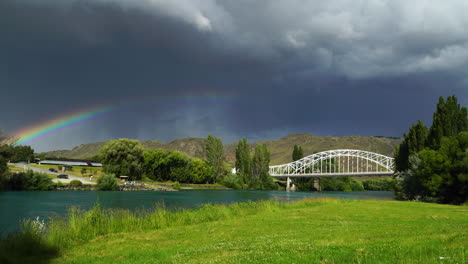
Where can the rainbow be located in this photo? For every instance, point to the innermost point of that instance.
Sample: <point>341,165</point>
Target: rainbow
<point>50,127</point>
<point>55,125</point>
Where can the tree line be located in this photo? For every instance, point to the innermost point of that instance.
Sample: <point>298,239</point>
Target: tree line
<point>128,157</point>
<point>432,164</point>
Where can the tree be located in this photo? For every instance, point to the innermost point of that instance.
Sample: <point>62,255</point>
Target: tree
<point>164,165</point>
<point>22,153</point>
<point>243,162</point>
<point>261,178</point>
<point>443,172</point>
<point>215,156</point>
<point>123,157</point>
<point>449,119</point>
<point>412,143</point>
<point>433,165</point>
<point>4,157</point>
<point>297,153</point>
<point>201,171</point>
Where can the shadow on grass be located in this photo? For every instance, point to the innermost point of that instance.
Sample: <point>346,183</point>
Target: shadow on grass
<point>26,247</point>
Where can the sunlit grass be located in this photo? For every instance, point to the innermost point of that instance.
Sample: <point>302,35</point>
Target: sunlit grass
<point>95,171</point>
<point>15,169</point>
<point>308,231</point>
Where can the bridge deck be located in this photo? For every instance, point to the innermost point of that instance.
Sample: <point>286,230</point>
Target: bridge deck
<point>329,175</point>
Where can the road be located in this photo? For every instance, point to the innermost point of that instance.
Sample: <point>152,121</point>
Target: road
<point>71,177</point>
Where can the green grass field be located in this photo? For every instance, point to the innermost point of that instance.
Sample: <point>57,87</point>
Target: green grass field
<point>309,231</point>
<point>96,171</point>
<point>15,169</point>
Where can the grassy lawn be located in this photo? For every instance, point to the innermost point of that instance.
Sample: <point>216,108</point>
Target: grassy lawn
<point>96,171</point>
<point>312,231</point>
<point>17,169</point>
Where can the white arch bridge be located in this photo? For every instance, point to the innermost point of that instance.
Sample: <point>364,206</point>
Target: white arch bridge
<point>336,163</point>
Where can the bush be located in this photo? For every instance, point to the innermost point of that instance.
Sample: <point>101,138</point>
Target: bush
<point>107,182</point>
<point>29,181</point>
<point>378,184</point>
<point>344,184</point>
<point>176,185</point>
<point>232,181</point>
<point>76,183</point>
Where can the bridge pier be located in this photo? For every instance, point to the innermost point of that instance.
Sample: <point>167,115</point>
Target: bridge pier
<point>317,184</point>
<point>289,185</point>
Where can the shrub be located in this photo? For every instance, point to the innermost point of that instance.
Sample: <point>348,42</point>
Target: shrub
<point>76,183</point>
<point>29,181</point>
<point>344,184</point>
<point>176,185</point>
<point>232,181</point>
<point>107,182</point>
<point>378,184</point>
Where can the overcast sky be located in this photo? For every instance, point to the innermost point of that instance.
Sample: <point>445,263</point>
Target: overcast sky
<point>233,68</point>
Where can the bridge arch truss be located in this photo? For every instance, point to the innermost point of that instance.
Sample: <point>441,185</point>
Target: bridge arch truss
<point>339,162</point>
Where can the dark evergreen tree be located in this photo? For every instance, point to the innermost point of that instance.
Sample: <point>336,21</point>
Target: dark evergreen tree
<point>436,170</point>
<point>297,153</point>
<point>413,142</point>
<point>449,119</point>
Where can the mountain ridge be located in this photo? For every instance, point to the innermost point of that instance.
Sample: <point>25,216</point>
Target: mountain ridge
<point>280,149</point>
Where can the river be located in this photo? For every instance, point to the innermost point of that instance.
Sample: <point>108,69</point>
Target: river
<point>15,206</point>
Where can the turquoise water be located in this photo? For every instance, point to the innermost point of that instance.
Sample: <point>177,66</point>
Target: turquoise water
<point>15,206</point>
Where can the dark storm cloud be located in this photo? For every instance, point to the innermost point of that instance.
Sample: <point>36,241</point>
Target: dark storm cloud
<point>332,68</point>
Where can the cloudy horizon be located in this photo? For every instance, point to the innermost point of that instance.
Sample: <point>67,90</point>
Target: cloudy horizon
<point>233,68</point>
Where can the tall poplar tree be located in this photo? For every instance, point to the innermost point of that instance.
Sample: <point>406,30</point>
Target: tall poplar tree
<point>261,178</point>
<point>215,156</point>
<point>244,161</point>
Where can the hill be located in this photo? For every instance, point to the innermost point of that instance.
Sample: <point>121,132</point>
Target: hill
<point>280,149</point>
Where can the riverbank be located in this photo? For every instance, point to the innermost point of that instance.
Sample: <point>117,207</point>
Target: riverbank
<point>125,188</point>
<point>308,231</point>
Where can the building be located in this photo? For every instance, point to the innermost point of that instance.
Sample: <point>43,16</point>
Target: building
<point>70,162</point>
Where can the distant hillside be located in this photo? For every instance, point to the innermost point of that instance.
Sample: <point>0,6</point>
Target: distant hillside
<point>280,149</point>
<point>194,147</point>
